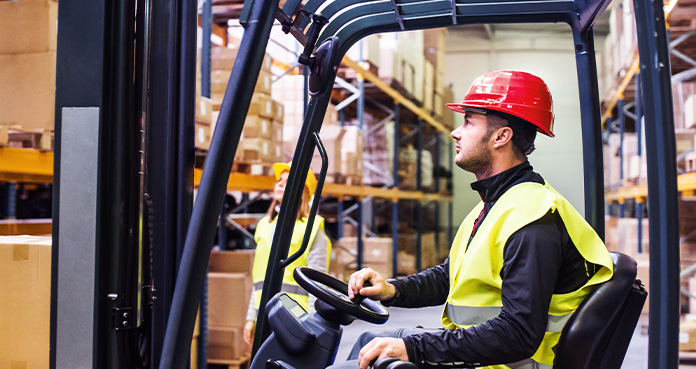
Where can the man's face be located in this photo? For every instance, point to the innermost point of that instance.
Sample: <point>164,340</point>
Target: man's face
<point>471,144</point>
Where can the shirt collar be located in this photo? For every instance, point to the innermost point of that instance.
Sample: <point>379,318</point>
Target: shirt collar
<point>490,189</point>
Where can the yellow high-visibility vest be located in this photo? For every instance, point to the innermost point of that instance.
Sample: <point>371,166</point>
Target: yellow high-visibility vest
<point>475,281</point>
<point>264,230</point>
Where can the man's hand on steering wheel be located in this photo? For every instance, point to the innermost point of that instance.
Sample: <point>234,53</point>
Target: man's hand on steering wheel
<point>379,290</point>
<point>382,347</point>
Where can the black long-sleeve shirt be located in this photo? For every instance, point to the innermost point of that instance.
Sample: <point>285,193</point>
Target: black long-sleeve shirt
<point>539,260</point>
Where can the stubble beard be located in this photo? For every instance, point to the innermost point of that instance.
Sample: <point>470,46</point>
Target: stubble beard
<point>478,160</point>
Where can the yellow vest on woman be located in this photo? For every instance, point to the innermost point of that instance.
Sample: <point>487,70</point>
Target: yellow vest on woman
<point>475,281</point>
<point>263,237</point>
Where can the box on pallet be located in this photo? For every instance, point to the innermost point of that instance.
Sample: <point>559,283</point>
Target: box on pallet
<point>277,132</point>
<point>219,79</point>
<point>428,86</point>
<point>228,295</point>
<point>627,229</point>
<point>25,287</point>
<point>257,127</point>
<point>377,252</point>
<point>407,244</point>
<point>223,57</point>
<point>204,110</point>
<point>227,344</point>
<point>261,105</point>
<point>279,111</point>
<point>238,261</point>
<point>28,26</point>
<point>203,136</point>
<point>30,101</point>
<point>253,150</point>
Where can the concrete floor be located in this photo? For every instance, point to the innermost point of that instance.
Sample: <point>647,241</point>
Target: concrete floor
<point>636,356</point>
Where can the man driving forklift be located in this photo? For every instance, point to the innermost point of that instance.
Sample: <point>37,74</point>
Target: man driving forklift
<point>521,262</point>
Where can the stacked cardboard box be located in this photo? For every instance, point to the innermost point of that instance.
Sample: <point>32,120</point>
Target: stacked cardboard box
<point>261,140</point>
<point>377,254</point>
<point>290,90</point>
<point>28,64</point>
<point>229,286</point>
<point>25,287</point>
<point>408,164</point>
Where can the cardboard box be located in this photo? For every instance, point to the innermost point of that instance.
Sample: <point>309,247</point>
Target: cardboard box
<point>256,127</point>
<point>222,58</point>
<point>228,296</point>
<point>251,150</point>
<point>28,90</point>
<point>203,136</point>
<point>279,111</point>
<point>277,132</point>
<point>262,105</point>
<point>687,336</point>
<point>220,78</point>
<point>28,26</point>
<point>376,250</point>
<point>204,110</point>
<point>263,83</point>
<point>25,287</point>
<point>238,261</point>
<point>351,151</point>
<point>227,344</point>
<point>278,152</point>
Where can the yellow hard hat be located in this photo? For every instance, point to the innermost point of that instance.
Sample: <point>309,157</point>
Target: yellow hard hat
<point>311,182</point>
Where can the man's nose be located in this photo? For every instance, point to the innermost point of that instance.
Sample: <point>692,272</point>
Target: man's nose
<point>455,134</point>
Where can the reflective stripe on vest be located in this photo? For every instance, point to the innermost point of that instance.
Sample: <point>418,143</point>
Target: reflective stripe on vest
<point>472,315</point>
<point>288,288</point>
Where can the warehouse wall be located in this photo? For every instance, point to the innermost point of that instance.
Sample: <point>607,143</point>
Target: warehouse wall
<point>551,57</point>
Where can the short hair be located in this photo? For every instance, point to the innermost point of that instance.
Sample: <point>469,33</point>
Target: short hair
<point>523,132</point>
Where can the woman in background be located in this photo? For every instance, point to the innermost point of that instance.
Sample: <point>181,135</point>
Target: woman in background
<point>316,256</point>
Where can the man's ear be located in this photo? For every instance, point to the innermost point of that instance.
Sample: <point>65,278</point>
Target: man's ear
<point>502,136</point>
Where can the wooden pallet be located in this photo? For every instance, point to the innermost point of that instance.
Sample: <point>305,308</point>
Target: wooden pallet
<point>240,363</point>
<point>254,168</point>
<point>16,137</point>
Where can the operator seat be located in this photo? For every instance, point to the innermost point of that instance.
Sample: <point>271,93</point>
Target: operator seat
<point>598,333</point>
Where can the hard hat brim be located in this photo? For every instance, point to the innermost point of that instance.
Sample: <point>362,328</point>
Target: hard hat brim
<point>310,182</point>
<point>461,108</point>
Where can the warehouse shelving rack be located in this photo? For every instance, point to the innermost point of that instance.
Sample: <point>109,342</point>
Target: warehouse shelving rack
<point>627,96</point>
<point>96,55</point>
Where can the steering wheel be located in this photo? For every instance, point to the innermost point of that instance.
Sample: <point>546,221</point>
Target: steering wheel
<point>335,293</point>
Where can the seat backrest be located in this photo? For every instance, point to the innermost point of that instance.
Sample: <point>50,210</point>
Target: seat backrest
<point>598,333</point>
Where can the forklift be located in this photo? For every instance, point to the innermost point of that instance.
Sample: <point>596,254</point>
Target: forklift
<point>126,189</point>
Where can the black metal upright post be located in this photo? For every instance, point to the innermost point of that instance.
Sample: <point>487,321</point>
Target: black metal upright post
<point>395,202</point>
<point>436,161</point>
<point>419,203</point>
<point>660,142</point>
<point>593,156</point>
<point>450,205</point>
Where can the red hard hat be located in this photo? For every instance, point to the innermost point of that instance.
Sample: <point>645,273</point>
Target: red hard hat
<point>516,93</point>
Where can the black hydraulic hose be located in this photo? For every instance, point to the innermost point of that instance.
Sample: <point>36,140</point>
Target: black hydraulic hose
<point>218,164</point>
